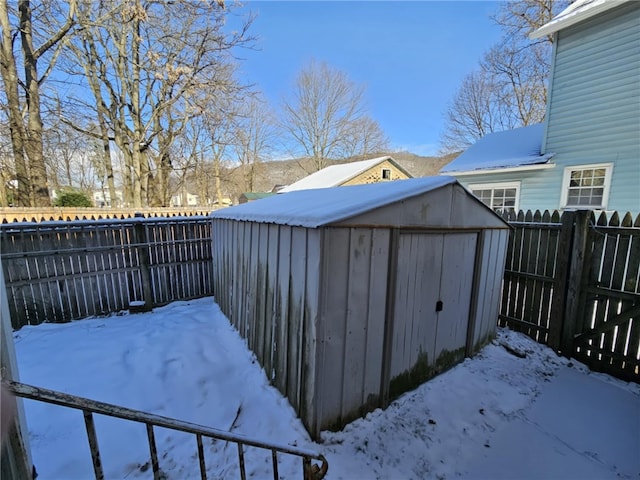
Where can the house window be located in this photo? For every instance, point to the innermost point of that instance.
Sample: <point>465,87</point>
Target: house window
<point>586,186</point>
<point>501,196</point>
<point>386,174</point>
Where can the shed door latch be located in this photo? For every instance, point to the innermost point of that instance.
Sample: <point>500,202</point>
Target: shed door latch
<point>439,306</point>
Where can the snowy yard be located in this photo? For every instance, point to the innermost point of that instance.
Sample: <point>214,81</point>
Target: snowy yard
<point>494,416</point>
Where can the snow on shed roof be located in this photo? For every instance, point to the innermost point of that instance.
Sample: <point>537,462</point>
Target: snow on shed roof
<point>576,12</point>
<point>317,207</point>
<point>336,175</point>
<point>508,149</point>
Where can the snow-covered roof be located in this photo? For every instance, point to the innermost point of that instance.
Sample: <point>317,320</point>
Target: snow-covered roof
<point>336,174</point>
<point>576,12</point>
<point>509,149</point>
<point>317,207</point>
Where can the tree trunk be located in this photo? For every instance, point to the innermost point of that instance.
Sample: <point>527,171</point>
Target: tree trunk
<point>106,161</point>
<point>137,175</point>
<point>4,201</point>
<point>216,179</point>
<point>33,140</point>
<point>16,127</point>
<point>139,189</point>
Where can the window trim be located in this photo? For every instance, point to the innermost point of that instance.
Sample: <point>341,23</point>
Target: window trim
<point>564,193</point>
<point>493,185</point>
<point>382,174</point>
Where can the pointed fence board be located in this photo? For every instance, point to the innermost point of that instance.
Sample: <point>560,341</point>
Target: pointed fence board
<point>583,290</point>
<point>62,271</point>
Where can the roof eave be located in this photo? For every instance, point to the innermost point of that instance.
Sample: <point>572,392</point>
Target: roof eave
<point>561,22</point>
<point>485,171</point>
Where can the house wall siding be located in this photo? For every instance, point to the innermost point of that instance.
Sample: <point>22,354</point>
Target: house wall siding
<point>594,111</point>
<point>534,186</point>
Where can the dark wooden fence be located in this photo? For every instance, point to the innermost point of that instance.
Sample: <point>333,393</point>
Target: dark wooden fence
<point>572,282</point>
<point>61,271</point>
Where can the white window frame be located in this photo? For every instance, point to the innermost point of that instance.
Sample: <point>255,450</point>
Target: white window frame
<point>564,196</point>
<point>493,186</point>
<point>382,174</point>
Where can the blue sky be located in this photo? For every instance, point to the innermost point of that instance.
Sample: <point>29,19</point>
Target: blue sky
<point>411,56</point>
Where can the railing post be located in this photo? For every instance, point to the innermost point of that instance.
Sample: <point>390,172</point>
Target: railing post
<point>93,444</point>
<point>576,262</point>
<point>153,450</point>
<point>142,249</point>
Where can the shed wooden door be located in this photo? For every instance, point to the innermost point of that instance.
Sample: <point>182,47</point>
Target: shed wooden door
<point>433,286</point>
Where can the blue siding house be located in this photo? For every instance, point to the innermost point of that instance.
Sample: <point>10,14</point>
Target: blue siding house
<point>587,153</point>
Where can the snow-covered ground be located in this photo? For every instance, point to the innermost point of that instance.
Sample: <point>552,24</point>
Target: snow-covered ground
<point>494,416</point>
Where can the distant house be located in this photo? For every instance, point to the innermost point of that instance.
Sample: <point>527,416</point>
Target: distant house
<point>587,153</point>
<point>251,196</point>
<point>188,200</point>
<point>101,198</point>
<point>379,169</point>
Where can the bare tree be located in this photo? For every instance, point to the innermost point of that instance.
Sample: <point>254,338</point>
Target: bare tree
<point>475,111</point>
<point>218,139</point>
<point>364,137</point>
<point>26,130</point>
<point>254,139</point>
<point>324,110</point>
<point>144,63</point>
<point>509,89</point>
<point>70,157</point>
<point>520,18</point>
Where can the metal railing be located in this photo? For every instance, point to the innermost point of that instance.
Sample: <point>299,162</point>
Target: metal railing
<point>310,470</point>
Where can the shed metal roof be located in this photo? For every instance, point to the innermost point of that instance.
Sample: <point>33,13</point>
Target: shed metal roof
<point>512,148</point>
<point>338,174</point>
<point>318,207</point>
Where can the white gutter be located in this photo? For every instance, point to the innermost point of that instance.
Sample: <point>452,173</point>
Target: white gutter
<point>575,14</point>
<point>525,168</point>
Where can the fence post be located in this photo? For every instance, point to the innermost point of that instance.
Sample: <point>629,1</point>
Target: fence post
<point>556,318</point>
<point>576,262</point>
<point>142,248</point>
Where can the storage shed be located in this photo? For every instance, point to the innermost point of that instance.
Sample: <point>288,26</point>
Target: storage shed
<point>350,296</point>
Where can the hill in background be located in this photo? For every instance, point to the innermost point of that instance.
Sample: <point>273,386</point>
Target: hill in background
<point>285,172</point>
